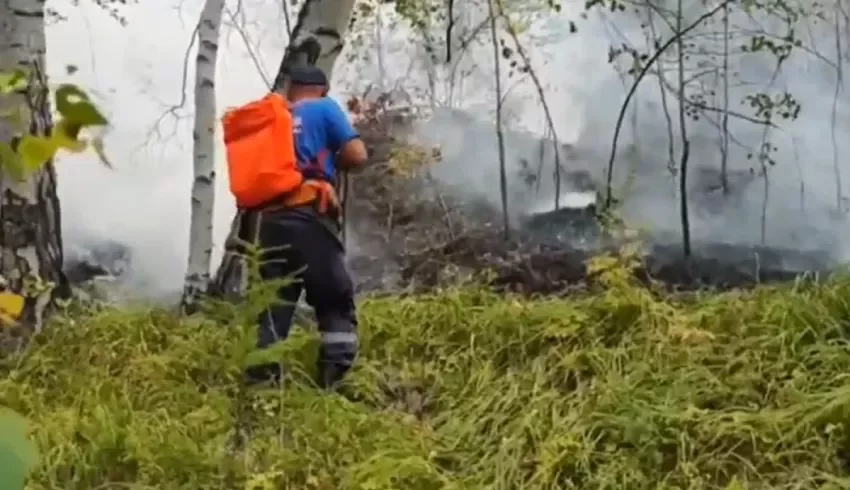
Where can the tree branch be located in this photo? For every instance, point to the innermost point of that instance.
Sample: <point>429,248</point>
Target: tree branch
<point>640,76</point>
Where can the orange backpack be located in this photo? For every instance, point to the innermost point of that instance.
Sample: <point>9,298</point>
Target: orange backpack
<point>260,145</point>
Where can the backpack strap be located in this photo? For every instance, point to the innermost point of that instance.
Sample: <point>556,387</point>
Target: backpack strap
<point>314,169</point>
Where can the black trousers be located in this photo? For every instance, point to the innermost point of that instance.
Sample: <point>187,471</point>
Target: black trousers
<point>297,244</point>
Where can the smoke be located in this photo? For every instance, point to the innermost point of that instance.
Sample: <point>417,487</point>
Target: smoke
<point>136,73</point>
<point>798,207</point>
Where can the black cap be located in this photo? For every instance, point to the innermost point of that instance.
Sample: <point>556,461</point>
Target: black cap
<point>307,75</point>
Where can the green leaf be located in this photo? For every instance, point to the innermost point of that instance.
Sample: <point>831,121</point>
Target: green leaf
<point>35,151</point>
<point>18,454</point>
<point>76,106</point>
<point>12,81</point>
<point>65,135</point>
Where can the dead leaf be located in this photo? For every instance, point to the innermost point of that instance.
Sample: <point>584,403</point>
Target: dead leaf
<point>11,307</point>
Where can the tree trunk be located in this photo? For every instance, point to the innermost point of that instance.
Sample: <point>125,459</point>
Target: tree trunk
<point>317,39</point>
<point>30,237</point>
<point>203,186</point>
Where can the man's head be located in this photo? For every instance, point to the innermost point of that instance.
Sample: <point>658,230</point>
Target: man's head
<point>306,82</point>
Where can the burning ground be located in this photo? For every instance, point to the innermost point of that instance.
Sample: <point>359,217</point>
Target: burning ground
<point>410,231</point>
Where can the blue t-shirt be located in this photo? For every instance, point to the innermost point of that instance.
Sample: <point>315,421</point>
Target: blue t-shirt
<point>321,128</point>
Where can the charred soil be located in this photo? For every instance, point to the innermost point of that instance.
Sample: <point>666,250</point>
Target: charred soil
<point>425,237</point>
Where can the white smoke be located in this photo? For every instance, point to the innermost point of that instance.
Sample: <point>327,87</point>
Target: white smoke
<point>585,94</point>
<point>136,72</point>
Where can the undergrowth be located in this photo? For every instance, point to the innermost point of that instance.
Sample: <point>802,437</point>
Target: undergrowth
<point>621,388</point>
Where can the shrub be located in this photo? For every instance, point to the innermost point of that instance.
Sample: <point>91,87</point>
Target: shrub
<point>625,388</point>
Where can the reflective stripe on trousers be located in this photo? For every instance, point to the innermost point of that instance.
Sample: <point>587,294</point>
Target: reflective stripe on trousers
<point>339,338</point>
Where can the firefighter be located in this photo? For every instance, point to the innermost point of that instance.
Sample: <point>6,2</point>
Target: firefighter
<point>300,231</point>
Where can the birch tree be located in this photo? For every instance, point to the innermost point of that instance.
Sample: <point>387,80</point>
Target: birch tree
<point>203,185</point>
<point>30,238</point>
<point>317,39</point>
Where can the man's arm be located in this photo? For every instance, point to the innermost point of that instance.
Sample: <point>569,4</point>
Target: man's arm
<point>351,152</point>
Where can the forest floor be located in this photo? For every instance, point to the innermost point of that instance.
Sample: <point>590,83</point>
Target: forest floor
<point>618,387</point>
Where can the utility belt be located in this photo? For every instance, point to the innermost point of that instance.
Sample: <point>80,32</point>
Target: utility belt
<point>320,194</point>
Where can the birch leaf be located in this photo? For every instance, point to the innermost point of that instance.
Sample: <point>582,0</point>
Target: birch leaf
<point>12,81</point>
<point>35,151</point>
<point>11,307</point>
<point>18,454</point>
<point>76,106</point>
<point>66,135</point>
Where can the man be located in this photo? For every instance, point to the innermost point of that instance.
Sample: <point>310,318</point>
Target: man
<point>303,241</point>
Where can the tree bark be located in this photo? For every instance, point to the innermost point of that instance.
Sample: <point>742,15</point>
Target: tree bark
<point>317,39</point>
<point>203,185</point>
<point>31,256</point>
<point>318,36</point>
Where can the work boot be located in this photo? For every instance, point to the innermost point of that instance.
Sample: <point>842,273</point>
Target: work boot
<point>263,374</point>
<point>330,375</point>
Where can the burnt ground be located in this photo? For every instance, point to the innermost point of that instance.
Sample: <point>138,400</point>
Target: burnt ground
<point>410,233</point>
<point>546,268</point>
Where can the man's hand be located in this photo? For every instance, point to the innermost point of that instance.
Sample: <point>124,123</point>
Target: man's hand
<point>355,110</point>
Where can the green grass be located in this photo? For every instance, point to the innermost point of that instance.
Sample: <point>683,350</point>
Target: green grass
<point>622,389</point>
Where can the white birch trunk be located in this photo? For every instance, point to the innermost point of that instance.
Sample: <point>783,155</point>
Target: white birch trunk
<point>203,185</point>
<point>30,228</point>
<point>318,36</point>
<point>317,39</point>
